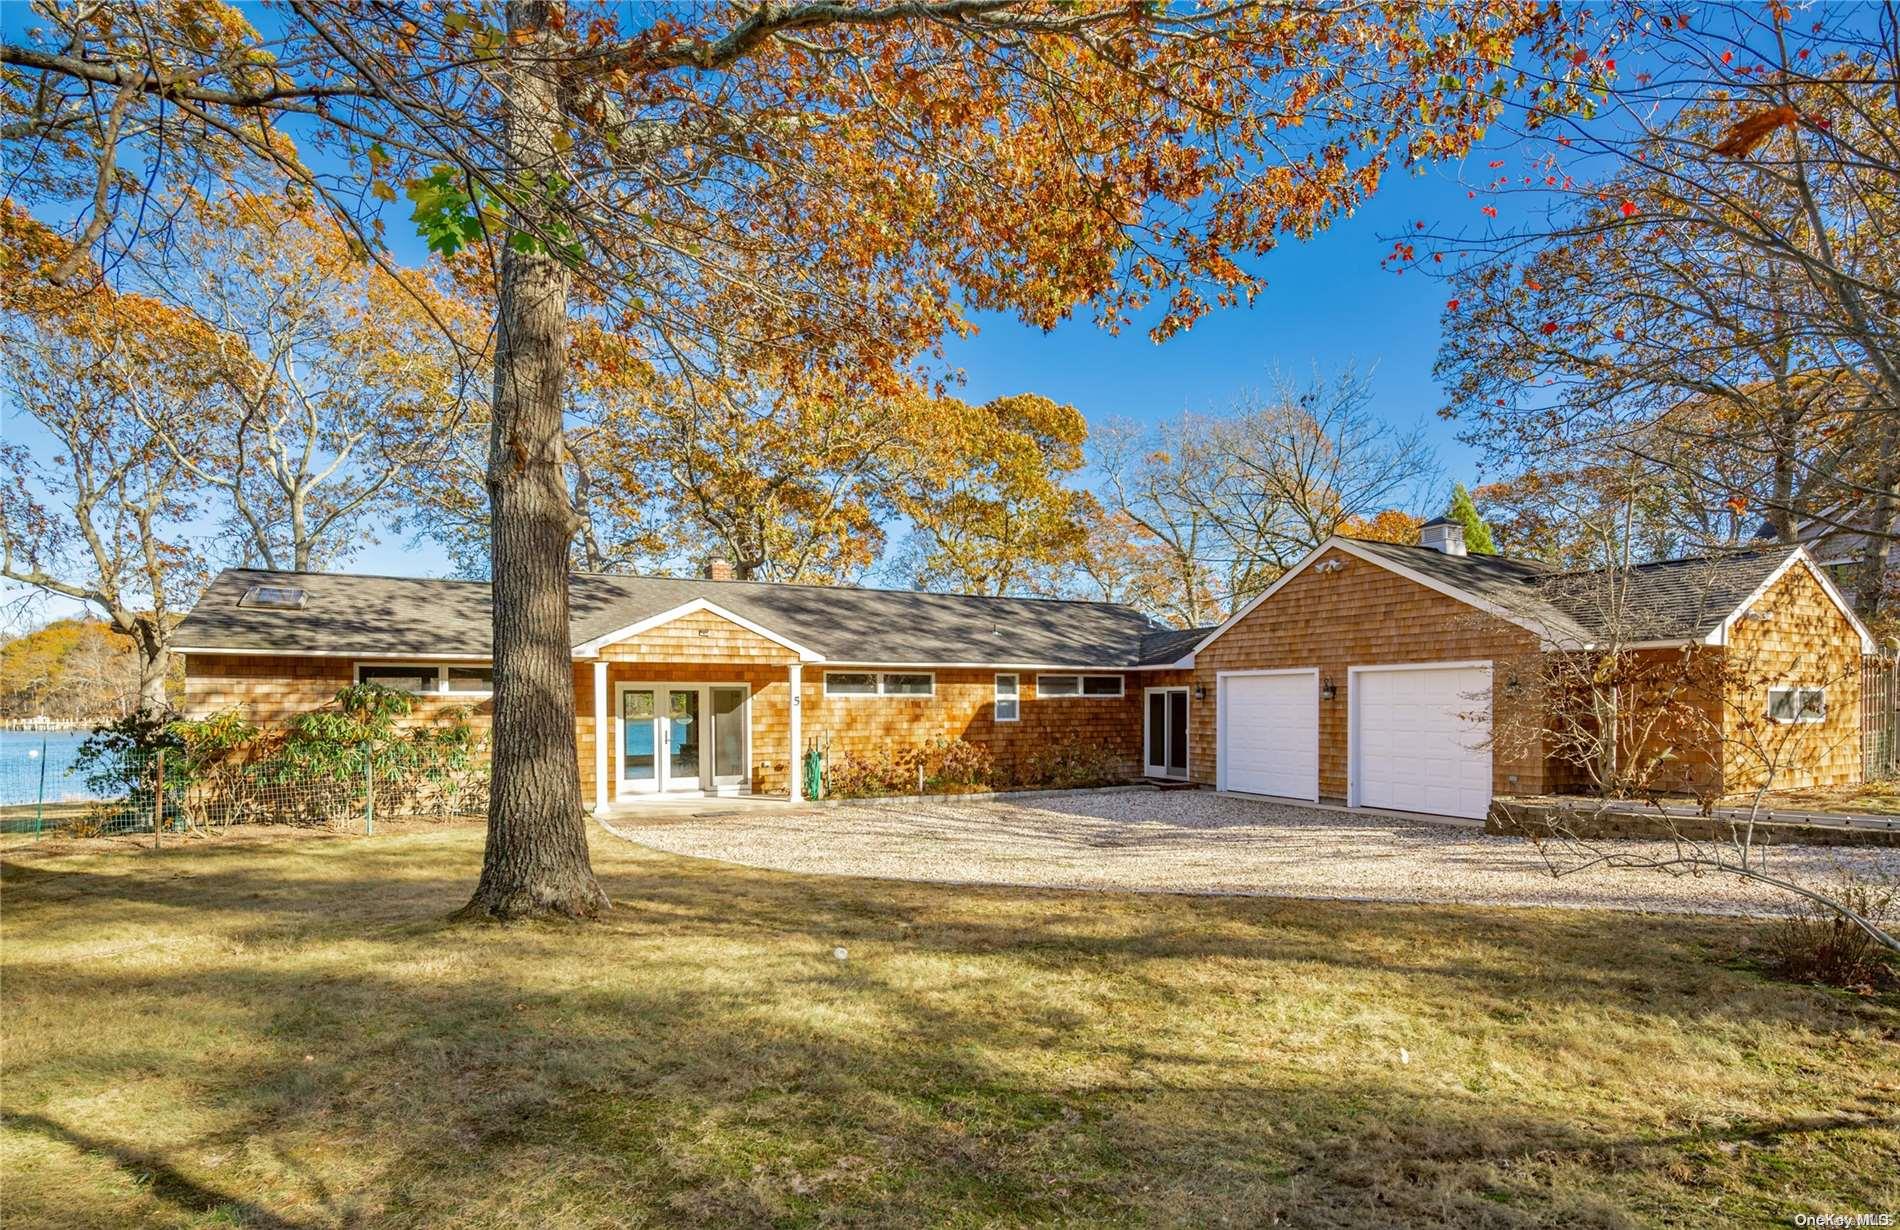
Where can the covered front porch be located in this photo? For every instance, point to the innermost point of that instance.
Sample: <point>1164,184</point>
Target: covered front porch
<point>699,706</point>
<point>661,733</point>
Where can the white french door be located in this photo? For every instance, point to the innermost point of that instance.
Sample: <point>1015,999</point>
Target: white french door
<point>1165,733</point>
<point>682,738</point>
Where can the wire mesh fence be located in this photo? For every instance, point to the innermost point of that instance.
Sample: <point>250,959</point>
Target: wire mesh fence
<point>56,788</point>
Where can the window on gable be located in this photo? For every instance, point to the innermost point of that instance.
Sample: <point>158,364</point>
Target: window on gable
<point>1797,704</point>
<point>1009,704</point>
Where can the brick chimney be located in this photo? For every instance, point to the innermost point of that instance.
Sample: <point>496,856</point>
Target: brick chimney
<point>1443,534</point>
<point>719,568</point>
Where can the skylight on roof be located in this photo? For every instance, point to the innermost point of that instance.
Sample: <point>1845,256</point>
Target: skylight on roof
<point>273,597</point>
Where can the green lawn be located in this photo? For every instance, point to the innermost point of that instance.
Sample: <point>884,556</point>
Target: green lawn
<point>285,1032</point>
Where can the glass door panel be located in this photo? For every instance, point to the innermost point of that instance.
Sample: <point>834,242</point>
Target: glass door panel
<point>1156,764</point>
<point>682,740</point>
<point>729,736</point>
<point>1177,734</point>
<point>639,764</point>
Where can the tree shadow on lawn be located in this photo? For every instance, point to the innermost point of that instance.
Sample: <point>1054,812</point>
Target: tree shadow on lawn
<point>711,1103</point>
<point>701,1057</point>
<point>167,1186</point>
<point>406,887</point>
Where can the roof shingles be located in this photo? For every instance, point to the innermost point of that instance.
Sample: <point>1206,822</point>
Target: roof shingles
<point>391,616</point>
<point>373,616</point>
<point>1681,599</point>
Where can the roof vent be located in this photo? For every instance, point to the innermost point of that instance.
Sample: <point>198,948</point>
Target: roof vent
<point>1443,534</point>
<point>273,597</point>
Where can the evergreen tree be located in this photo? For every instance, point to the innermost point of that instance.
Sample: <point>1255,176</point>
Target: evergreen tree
<point>1477,533</point>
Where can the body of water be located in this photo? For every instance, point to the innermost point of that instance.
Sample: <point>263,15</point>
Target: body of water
<point>24,752</point>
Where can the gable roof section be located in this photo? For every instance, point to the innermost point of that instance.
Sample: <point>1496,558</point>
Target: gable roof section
<point>1497,586</point>
<point>1805,558</point>
<point>1667,602</point>
<point>363,616</point>
<point>588,648</point>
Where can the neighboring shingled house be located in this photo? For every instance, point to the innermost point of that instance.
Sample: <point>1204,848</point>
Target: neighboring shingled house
<point>1348,679</point>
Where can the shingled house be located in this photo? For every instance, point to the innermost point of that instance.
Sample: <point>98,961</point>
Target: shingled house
<point>1351,678</point>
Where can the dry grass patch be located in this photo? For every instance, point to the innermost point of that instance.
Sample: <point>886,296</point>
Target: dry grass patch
<point>287,1034</point>
<point>1871,798</point>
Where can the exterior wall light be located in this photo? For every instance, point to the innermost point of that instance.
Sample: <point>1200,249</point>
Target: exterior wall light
<point>1326,690</point>
<point>1200,691</point>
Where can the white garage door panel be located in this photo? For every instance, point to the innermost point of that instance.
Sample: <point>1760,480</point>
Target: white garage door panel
<point>1270,734</point>
<point>1421,740</point>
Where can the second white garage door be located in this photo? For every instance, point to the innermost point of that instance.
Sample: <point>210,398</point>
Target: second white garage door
<point>1418,739</point>
<point>1269,733</point>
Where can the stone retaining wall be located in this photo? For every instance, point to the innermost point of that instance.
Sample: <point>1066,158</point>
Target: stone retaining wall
<point>1547,818</point>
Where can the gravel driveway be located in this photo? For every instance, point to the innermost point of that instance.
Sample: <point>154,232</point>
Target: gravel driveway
<point>1200,842</point>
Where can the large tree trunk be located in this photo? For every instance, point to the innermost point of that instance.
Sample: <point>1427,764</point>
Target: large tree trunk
<point>536,859</point>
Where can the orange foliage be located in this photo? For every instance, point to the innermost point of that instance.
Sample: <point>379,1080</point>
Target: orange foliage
<point>1392,525</point>
<point>1748,133</point>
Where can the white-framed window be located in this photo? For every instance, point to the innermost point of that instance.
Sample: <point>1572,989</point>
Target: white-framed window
<point>1797,704</point>
<point>469,679</point>
<point>1009,702</point>
<point>917,684</point>
<point>1103,686</point>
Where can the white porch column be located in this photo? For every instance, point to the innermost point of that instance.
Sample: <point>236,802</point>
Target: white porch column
<point>796,671</point>
<point>602,736</point>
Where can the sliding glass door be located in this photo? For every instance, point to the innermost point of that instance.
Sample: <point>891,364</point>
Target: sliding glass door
<point>1165,733</point>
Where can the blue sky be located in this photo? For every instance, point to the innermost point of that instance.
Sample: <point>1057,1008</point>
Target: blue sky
<point>1327,303</point>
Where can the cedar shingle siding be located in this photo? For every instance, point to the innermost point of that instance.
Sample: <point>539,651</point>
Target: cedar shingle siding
<point>1806,639</point>
<point>1359,615</point>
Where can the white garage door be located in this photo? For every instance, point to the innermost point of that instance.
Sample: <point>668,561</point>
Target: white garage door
<point>1418,740</point>
<point>1269,734</point>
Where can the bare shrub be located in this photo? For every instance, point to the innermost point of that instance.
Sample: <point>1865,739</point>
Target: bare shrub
<point>1075,765</point>
<point>1819,944</point>
<point>941,766</point>
<point>954,764</point>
